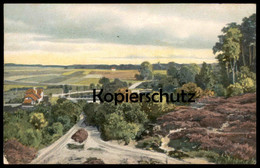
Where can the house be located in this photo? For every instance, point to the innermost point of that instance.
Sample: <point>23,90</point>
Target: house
<point>33,96</point>
<point>113,69</point>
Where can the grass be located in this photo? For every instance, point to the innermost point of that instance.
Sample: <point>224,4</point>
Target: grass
<point>7,87</point>
<point>87,81</point>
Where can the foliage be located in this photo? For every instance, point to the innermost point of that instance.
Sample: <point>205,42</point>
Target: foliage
<point>172,70</point>
<point>156,109</point>
<point>74,146</point>
<point>219,159</point>
<point>42,125</point>
<point>123,121</point>
<point>187,74</point>
<point>205,78</point>
<point>219,90</point>
<point>92,86</point>
<point>111,87</point>
<point>117,128</point>
<point>178,154</point>
<point>103,80</point>
<point>132,113</point>
<point>149,143</point>
<point>208,92</point>
<point>38,120</point>
<point>234,90</point>
<point>248,85</point>
<point>191,88</point>
<point>145,71</point>
<point>30,137</point>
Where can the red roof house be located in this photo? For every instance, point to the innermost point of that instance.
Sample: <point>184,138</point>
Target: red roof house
<point>33,96</point>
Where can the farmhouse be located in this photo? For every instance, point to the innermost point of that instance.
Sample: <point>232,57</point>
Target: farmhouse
<point>113,69</point>
<point>33,96</point>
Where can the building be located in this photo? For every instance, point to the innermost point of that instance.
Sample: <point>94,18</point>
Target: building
<point>33,96</point>
<point>113,69</point>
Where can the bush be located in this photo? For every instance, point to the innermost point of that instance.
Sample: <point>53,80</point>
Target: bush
<point>38,120</point>
<point>149,143</point>
<point>248,85</point>
<point>191,88</point>
<point>117,128</point>
<point>208,92</point>
<point>94,160</point>
<point>234,90</point>
<point>178,154</point>
<point>30,137</point>
<point>74,146</point>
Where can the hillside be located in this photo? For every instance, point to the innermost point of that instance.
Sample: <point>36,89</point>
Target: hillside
<point>226,126</point>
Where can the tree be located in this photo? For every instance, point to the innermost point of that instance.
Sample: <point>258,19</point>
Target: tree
<point>231,49</point>
<point>90,110</point>
<point>92,86</point>
<point>205,78</point>
<point>117,128</point>
<point>186,75</point>
<point>248,47</point>
<point>146,70</point>
<point>66,88</point>
<point>103,80</point>
<point>113,86</point>
<point>38,120</point>
<point>172,70</point>
<point>30,137</point>
<point>132,113</point>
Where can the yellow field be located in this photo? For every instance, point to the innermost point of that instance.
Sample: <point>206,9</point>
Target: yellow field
<point>164,72</point>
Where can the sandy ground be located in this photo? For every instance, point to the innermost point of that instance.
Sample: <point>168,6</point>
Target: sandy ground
<point>5,160</point>
<point>109,152</point>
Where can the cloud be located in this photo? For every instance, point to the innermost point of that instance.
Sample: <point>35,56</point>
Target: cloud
<point>123,24</point>
<point>126,32</point>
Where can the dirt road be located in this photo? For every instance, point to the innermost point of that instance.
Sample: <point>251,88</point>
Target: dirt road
<point>109,152</point>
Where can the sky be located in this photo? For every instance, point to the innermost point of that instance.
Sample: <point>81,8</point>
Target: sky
<point>66,34</point>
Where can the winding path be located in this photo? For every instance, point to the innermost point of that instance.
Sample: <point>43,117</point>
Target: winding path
<point>110,152</point>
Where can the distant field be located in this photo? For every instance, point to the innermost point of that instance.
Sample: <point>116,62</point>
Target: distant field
<point>17,77</point>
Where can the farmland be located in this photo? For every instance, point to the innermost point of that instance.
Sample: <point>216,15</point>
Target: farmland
<point>16,78</point>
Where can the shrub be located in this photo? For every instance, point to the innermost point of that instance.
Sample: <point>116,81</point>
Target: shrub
<point>117,128</point>
<point>234,90</point>
<point>30,137</point>
<point>191,88</point>
<point>178,154</point>
<point>208,92</point>
<point>74,146</point>
<point>248,85</point>
<point>38,120</point>
<point>94,160</point>
<point>149,143</point>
